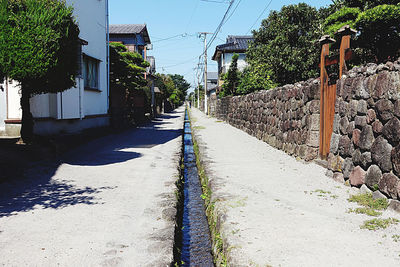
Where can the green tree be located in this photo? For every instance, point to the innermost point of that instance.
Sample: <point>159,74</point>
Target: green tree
<point>126,68</point>
<point>255,78</point>
<point>127,76</point>
<point>286,44</point>
<point>38,48</point>
<point>231,78</point>
<point>181,85</point>
<point>364,4</point>
<point>173,86</point>
<point>377,24</point>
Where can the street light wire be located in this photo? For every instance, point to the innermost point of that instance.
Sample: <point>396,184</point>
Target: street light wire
<point>191,17</point>
<point>172,37</point>
<point>233,11</point>
<point>259,16</point>
<point>214,1</point>
<point>180,63</point>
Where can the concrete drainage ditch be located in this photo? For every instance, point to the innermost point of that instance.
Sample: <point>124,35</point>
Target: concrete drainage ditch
<point>192,235</point>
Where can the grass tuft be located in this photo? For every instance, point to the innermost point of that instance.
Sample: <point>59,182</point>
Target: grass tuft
<point>376,223</point>
<point>365,210</point>
<point>367,201</point>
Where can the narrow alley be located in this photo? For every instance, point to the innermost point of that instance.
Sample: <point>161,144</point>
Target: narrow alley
<point>203,133</point>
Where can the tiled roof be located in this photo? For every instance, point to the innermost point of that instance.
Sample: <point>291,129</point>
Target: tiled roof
<point>234,43</point>
<point>237,42</point>
<point>127,28</point>
<point>116,29</point>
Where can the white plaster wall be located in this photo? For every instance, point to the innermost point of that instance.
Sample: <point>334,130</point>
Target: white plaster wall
<point>70,102</point>
<point>91,17</point>
<point>14,106</point>
<point>40,106</point>
<point>228,59</point>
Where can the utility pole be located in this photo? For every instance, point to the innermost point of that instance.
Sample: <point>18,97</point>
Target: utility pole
<point>205,70</point>
<point>198,89</point>
<point>198,94</point>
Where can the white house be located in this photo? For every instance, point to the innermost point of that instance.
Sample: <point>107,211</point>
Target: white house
<point>234,45</point>
<point>75,109</point>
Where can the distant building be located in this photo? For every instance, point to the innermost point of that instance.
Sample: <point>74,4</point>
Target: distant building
<point>212,81</point>
<point>224,52</point>
<point>212,86</point>
<point>136,39</point>
<point>134,36</point>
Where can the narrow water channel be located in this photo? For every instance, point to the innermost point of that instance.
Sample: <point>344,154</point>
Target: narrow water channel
<point>196,241</point>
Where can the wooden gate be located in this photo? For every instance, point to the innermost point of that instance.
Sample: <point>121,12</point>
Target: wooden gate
<point>328,91</point>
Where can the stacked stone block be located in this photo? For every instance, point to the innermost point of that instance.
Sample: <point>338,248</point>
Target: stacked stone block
<point>365,144</point>
<point>286,117</point>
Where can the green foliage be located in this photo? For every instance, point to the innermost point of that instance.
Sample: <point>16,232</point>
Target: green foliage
<point>376,224</point>
<point>378,26</point>
<point>38,44</point>
<point>366,200</point>
<point>254,78</point>
<point>365,4</point>
<point>231,78</point>
<point>379,29</point>
<point>181,87</point>
<point>173,86</point>
<point>126,68</point>
<point>285,44</point>
<point>367,211</point>
<point>344,16</point>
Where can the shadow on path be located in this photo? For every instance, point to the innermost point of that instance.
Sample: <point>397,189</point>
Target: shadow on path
<point>37,188</point>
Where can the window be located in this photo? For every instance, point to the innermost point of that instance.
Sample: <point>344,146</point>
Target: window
<point>91,72</point>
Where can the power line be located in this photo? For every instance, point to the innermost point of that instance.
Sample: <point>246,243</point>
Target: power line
<point>214,1</point>
<point>259,16</point>
<point>233,11</point>
<point>180,63</point>
<point>220,25</point>
<point>172,37</point>
<point>191,17</point>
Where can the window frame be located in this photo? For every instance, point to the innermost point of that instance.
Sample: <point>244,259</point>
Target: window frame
<point>85,59</point>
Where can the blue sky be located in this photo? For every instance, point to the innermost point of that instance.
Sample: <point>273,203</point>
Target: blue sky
<point>183,19</point>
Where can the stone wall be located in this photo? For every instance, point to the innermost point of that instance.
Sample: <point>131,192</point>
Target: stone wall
<point>365,144</point>
<point>285,117</point>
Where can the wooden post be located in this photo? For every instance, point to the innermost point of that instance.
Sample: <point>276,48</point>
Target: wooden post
<point>345,32</point>
<point>325,41</point>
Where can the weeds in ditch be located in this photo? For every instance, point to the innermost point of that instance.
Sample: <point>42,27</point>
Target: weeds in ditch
<point>379,223</point>
<point>179,194</point>
<point>218,244</point>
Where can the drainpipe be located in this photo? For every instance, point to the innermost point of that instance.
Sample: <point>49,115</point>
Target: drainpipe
<point>80,98</point>
<point>108,56</point>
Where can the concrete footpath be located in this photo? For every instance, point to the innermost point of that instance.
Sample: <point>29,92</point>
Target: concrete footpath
<point>108,203</point>
<point>275,210</point>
